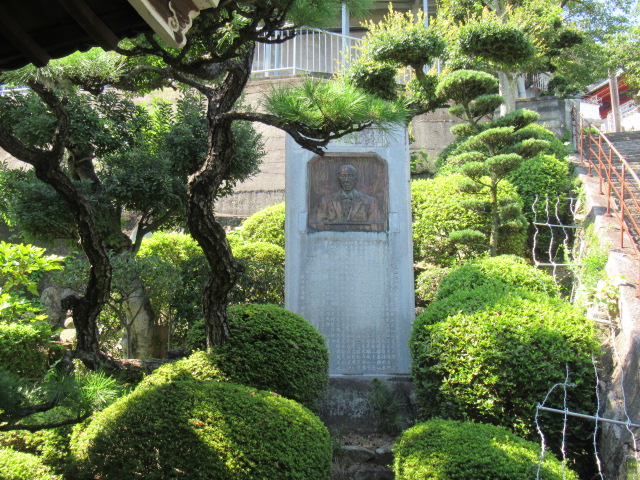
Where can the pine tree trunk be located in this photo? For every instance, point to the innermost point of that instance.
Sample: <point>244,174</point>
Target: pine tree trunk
<point>203,189</point>
<point>86,309</point>
<point>47,167</point>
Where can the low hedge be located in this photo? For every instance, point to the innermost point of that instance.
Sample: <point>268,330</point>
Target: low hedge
<point>450,450</point>
<point>271,348</point>
<point>23,466</point>
<point>508,270</point>
<point>203,430</point>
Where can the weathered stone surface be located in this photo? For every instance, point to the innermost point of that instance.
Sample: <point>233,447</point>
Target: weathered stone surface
<point>357,454</point>
<point>51,298</point>
<point>348,404</point>
<point>356,287</point>
<point>368,471</point>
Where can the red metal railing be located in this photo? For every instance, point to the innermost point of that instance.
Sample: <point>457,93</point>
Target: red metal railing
<point>615,174</point>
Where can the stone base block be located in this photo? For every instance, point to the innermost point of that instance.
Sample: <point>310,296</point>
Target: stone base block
<point>350,404</point>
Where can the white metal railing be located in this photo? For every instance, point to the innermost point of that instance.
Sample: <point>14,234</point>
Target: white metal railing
<point>309,51</point>
<point>6,90</point>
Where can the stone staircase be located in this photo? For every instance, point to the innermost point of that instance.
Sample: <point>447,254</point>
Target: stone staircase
<point>628,145</point>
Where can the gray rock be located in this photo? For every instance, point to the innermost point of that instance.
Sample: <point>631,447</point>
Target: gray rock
<point>384,455</point>
<point>357,454</point>
<point>68,335</point>
<point>387,448</point>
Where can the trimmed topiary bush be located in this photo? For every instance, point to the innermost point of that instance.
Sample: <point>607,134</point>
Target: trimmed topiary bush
<point>439,209</point>
<point>450,450</point>
<point>492,354</point>
<point>24,348</point>
<point>203,430</point>
<point>497,42</point>
<point>464,86</point>
<point>509,270</point>
<point>262,280</point>
<point>538,179</point>
<point>267,225</point>
<point>23,466</point>
<point>377,78</point>
<point>199,366</point>
<point>269,348</point>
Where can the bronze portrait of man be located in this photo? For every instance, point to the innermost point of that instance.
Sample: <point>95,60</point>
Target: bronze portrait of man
<point>347,208</point>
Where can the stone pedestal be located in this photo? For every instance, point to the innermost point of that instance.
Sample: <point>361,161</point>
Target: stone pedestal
<point>349,261</point>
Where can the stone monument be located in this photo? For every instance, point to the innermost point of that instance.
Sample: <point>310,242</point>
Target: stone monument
<point>349,260</point>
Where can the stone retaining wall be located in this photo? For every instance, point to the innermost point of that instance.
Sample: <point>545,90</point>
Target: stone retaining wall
<point>620,386</point>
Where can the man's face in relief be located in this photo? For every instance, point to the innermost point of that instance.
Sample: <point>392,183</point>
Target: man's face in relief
<point>348,178</point>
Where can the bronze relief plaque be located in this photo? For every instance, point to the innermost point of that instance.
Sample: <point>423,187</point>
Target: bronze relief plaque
<point>348,193</point>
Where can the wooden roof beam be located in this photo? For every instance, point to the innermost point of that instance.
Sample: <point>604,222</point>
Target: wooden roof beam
<point>171,20</point>
<point>22,40</point>
<point>91,23</point>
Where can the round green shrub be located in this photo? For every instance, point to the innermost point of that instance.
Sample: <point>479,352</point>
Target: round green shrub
<point>24,348</point>
<point>496,42</point>
<point>267,225</point>
<point>463,86</point>
<point>376,78</point>
<point>450,450</point>
<point>203,430</point>
<point>439,209</point>
<point>270,348</point>
<point>23,466</point>
<point>510,270</point>
<point>491,354</point>
<point>198,366</point>
<point>262,278</point>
